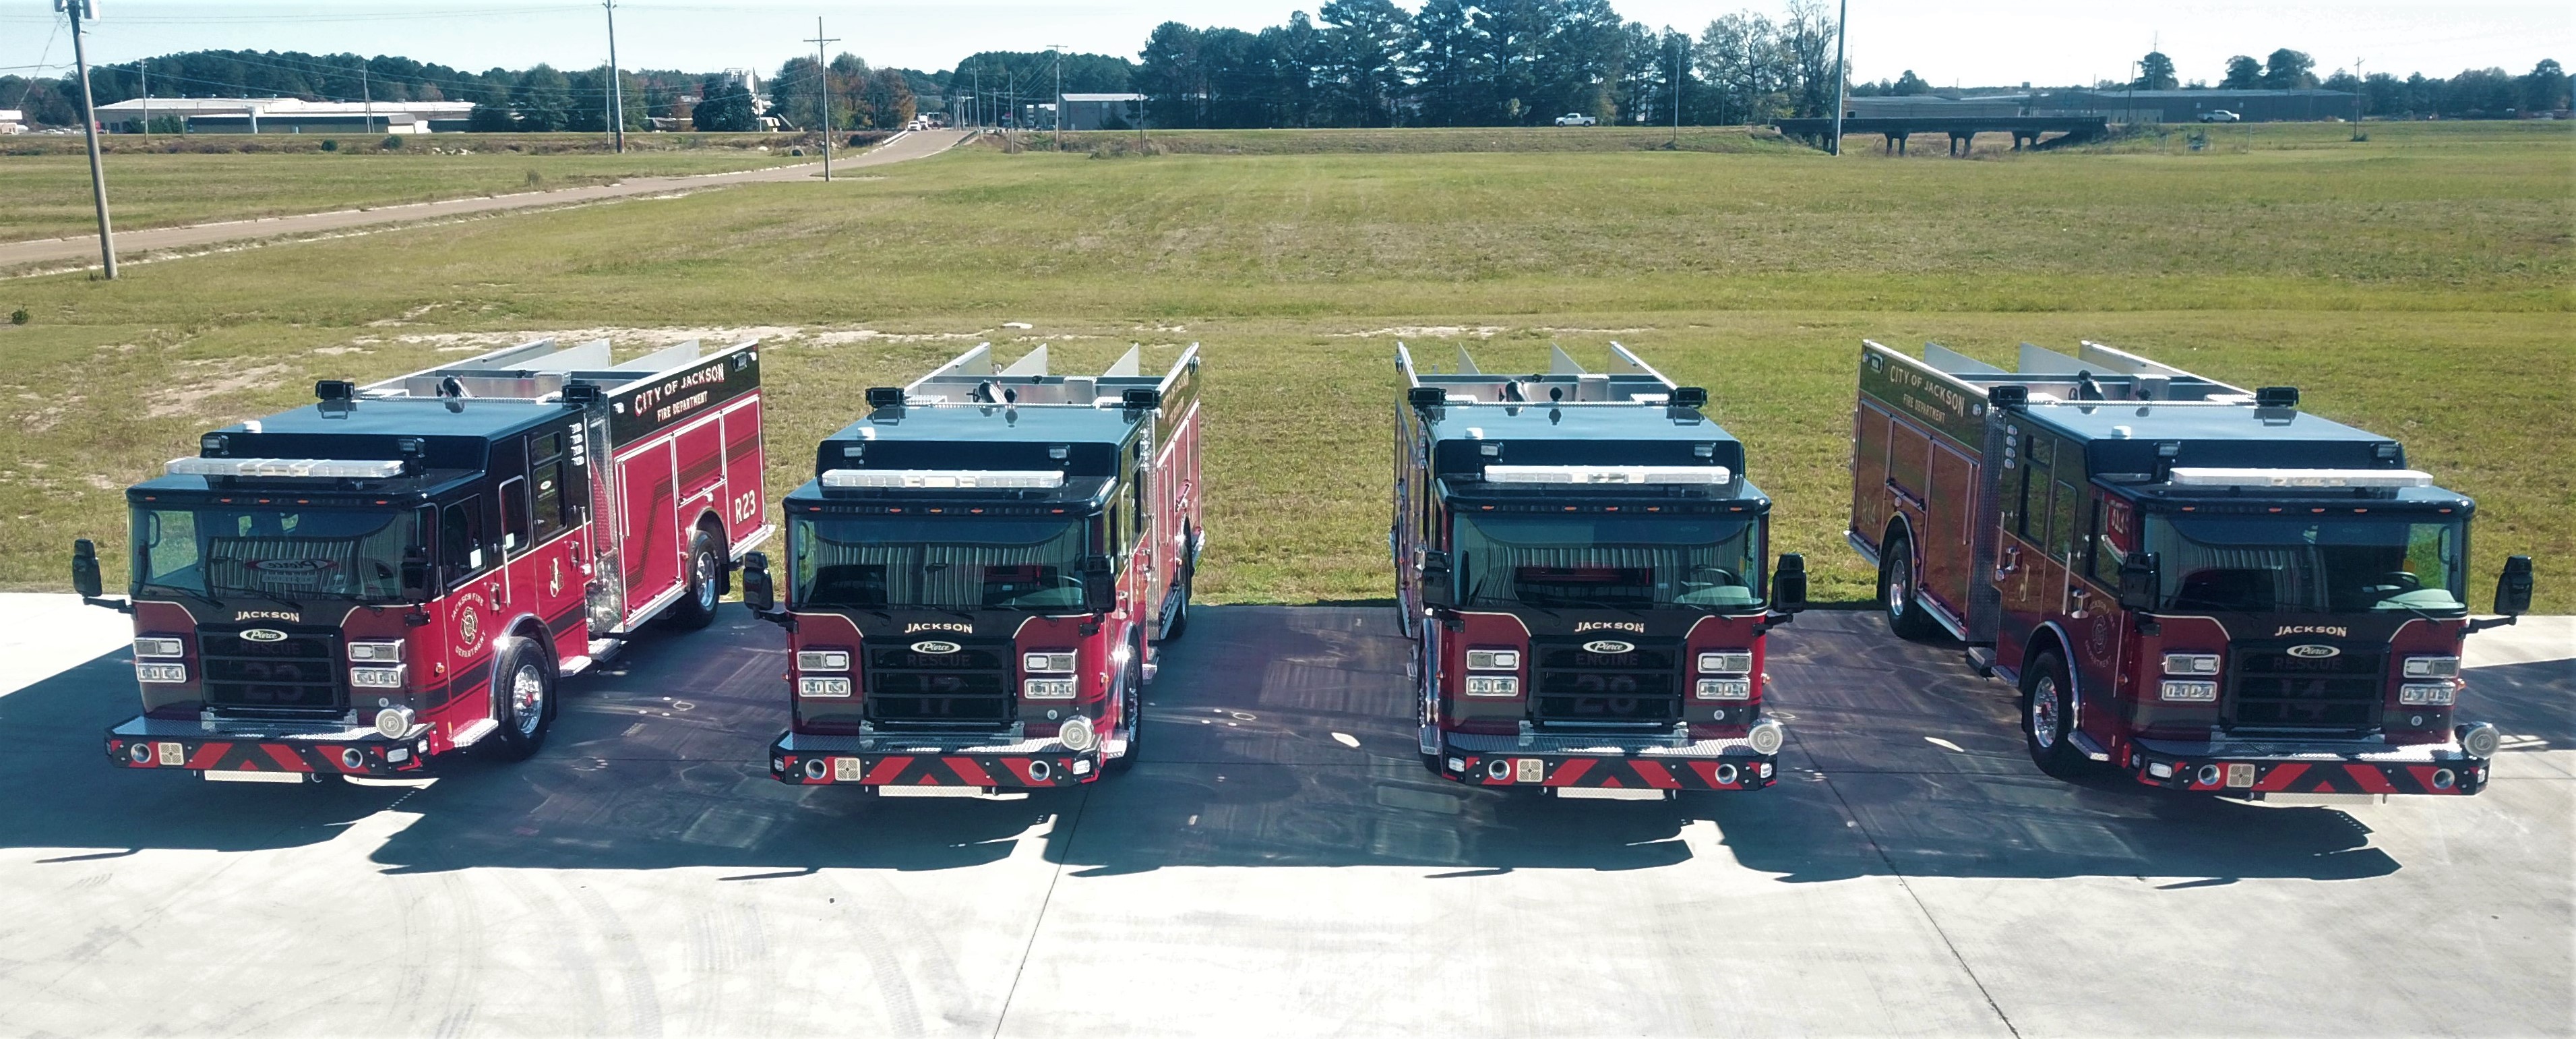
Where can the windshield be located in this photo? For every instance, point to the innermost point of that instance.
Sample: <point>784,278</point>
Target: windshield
<point>949,563</point>
<point>1603,560</point>
<point>2284,564</point>
<point>285,554</point>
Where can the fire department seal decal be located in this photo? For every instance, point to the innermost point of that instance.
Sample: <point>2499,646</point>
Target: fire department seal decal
<point>469,625</point>
<point>554,579</point>
<point>1609,647</point>
<point>935,648</point>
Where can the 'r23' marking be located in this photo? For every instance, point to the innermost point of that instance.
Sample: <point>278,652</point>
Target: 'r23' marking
<point>746,506</point>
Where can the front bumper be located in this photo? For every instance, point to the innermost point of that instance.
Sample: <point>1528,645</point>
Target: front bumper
<point>1593,762</point>
<point>2256,768</point>
<point>988,764</point>
<point>238,751</point>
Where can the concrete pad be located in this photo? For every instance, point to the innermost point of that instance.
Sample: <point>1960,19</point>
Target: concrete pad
<point>44,635</point>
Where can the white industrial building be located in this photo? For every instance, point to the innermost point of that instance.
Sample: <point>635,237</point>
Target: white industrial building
<point>286,115</point>
<point>12,121</point>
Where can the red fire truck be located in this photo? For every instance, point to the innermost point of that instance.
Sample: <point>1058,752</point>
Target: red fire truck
<point>1579,558</point>
<point>979,572</point>
<point>408,568</point>
<point>2196,584</point>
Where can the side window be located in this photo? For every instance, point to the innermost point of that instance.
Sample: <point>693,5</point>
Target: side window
<point>2062,537</point>
<point>548,471</point>
<point>2037,453</point>
<point>2105,565</point>
<point>515,535</point>
<point>462,545</point>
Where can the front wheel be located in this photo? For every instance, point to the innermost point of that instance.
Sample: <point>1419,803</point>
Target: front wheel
<point>523,695</point>
<point>2048,717</point>
<point>1131,712</point>
<point>1180,623</point>
<point>697,608</point>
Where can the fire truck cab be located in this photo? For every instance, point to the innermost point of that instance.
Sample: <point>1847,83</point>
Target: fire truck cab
<point>1579,560</point>
<point>408,568</point>
<point>979,573</point>
<point>2198,585</point>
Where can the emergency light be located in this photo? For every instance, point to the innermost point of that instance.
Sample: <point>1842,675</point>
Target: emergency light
<point>313,468</point>
<point>2186,476</point>
<point>1605,474</point>
<point>943,479</point>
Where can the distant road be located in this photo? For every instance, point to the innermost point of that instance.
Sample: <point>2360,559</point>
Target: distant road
<point>61,251</point>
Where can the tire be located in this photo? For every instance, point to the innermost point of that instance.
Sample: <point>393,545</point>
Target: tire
<point>523,699</point>
<point>1131,710</point>
<point>1896,591</point>
<point>2048,717</point>
<point>1180,624</point>
<point>697,608</point>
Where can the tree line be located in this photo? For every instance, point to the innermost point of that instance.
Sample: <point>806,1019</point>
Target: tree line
<point>2489,93</point>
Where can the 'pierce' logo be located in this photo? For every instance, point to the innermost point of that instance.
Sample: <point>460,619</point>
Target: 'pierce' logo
<point>2315,652</point>
<point>935,648</point>
<point>1609,647</point>
<point>264,635</point>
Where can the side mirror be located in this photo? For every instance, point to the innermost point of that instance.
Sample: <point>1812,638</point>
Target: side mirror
<point>2513,586</point>
<point>417,580</point>
<point>2139,577</point>
<point>1439,581</point>
<point>1789,583</point>
<point>1099,584</point>
<point>759,591</point>
<point>85,579</point>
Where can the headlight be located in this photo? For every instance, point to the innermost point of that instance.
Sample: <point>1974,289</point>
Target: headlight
<point>2416,667</point>
<point>377,677</point>
<point>1049,661</point>
<point>1482,685</point>
<point>1732,662</point>
<point>1493,660</point>
<point>1049,688</point>
<point>2190,692</point>
<point>1726,689</point>
<point>823,687</point>
<point>1766,736</point>
<point>159,647</point>
<point>375,652</point>
<point>2191,664</point>
<point>2428,694</point>
<point>161,673</point>
<point>1076,734</point>
<point>822,660</point>
<point>394,722</point>
<point>2479,740</point>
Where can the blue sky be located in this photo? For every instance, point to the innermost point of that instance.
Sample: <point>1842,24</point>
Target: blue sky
<point>1970,42</point>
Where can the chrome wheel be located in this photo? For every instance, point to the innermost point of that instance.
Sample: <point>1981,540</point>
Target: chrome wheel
<point>2043,712</point>
<point>705,572</point>
<point>527,699</point>
<point>1900,586</point>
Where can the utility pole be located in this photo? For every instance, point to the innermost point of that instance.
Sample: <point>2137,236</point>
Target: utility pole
<point>143,68</point>
<point>1842,27</point>
<point>976,106</point>
<point>77,10</point>
<point>616,85</point>
<point>2360,91</point>
<point>1677,94</point>
<point>1058,48</point>
<point>366,96</point>
<point>823,88</point>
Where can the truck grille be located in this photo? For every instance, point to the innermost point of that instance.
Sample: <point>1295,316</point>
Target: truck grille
<point>298,674</point>
<point>1572,685</point>
<point>971,687</point>
<point>2267,688</point>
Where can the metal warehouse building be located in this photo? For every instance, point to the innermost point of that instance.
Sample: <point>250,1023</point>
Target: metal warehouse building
<point>287,115</point>
<point>2185,106</point>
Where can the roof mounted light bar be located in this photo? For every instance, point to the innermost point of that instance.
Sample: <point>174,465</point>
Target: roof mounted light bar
<point>943,479</point>
<point>2184,476</point>
<point>1608,474</point>
<point>296,468</point>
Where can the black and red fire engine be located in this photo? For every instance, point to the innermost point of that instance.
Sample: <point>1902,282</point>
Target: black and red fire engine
<point>1580,559</point>
<point>2199,585</point>
<point>407,568</point>
<point>979,573</point>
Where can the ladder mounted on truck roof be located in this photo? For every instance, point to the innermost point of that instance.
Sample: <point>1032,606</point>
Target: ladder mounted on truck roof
<point>1629,380</point>
<point>538,371</point>
<point>978,378</point>
<point>2095,373</point>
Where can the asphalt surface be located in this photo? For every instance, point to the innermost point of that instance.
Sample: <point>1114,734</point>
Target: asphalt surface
<point>1258,874</point>
<point>143,244</point>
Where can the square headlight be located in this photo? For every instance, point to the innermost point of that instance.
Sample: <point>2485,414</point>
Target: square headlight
<point>1050,661</point>
<point>2191,664</point>
<point>2427,694</point>
<point>160,647</point>
<point>823,687</point>
<point>375,652</point>
<point>376,677</point>
<point>1726,689</point>
<point>161,674</point>
<point>2190,692</point>
<point>822,660</point>
<point>1493,660</point>
<point>1493,685</point>
<point>1731,662</point>
<point>2426,667</point>
<point>1049,688</point>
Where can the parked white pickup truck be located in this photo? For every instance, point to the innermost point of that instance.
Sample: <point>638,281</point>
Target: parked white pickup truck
<point>1576,119</point>
<point>2219,115</point>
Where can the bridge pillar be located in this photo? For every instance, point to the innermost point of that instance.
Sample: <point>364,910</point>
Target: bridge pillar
<point>1962,143</point>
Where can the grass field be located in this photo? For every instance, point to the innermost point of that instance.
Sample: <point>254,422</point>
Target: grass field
<point>2417,284</point>
<point>48,195</point>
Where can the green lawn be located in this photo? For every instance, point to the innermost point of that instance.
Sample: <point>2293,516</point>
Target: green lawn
<point>2417,284</point>
<point>48,196</point>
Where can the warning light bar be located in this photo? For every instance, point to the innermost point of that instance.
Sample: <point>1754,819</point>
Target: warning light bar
<point>944,479</point>
<point>1607,474</point>
<point>310,468</point>
<point>2190,477</point>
